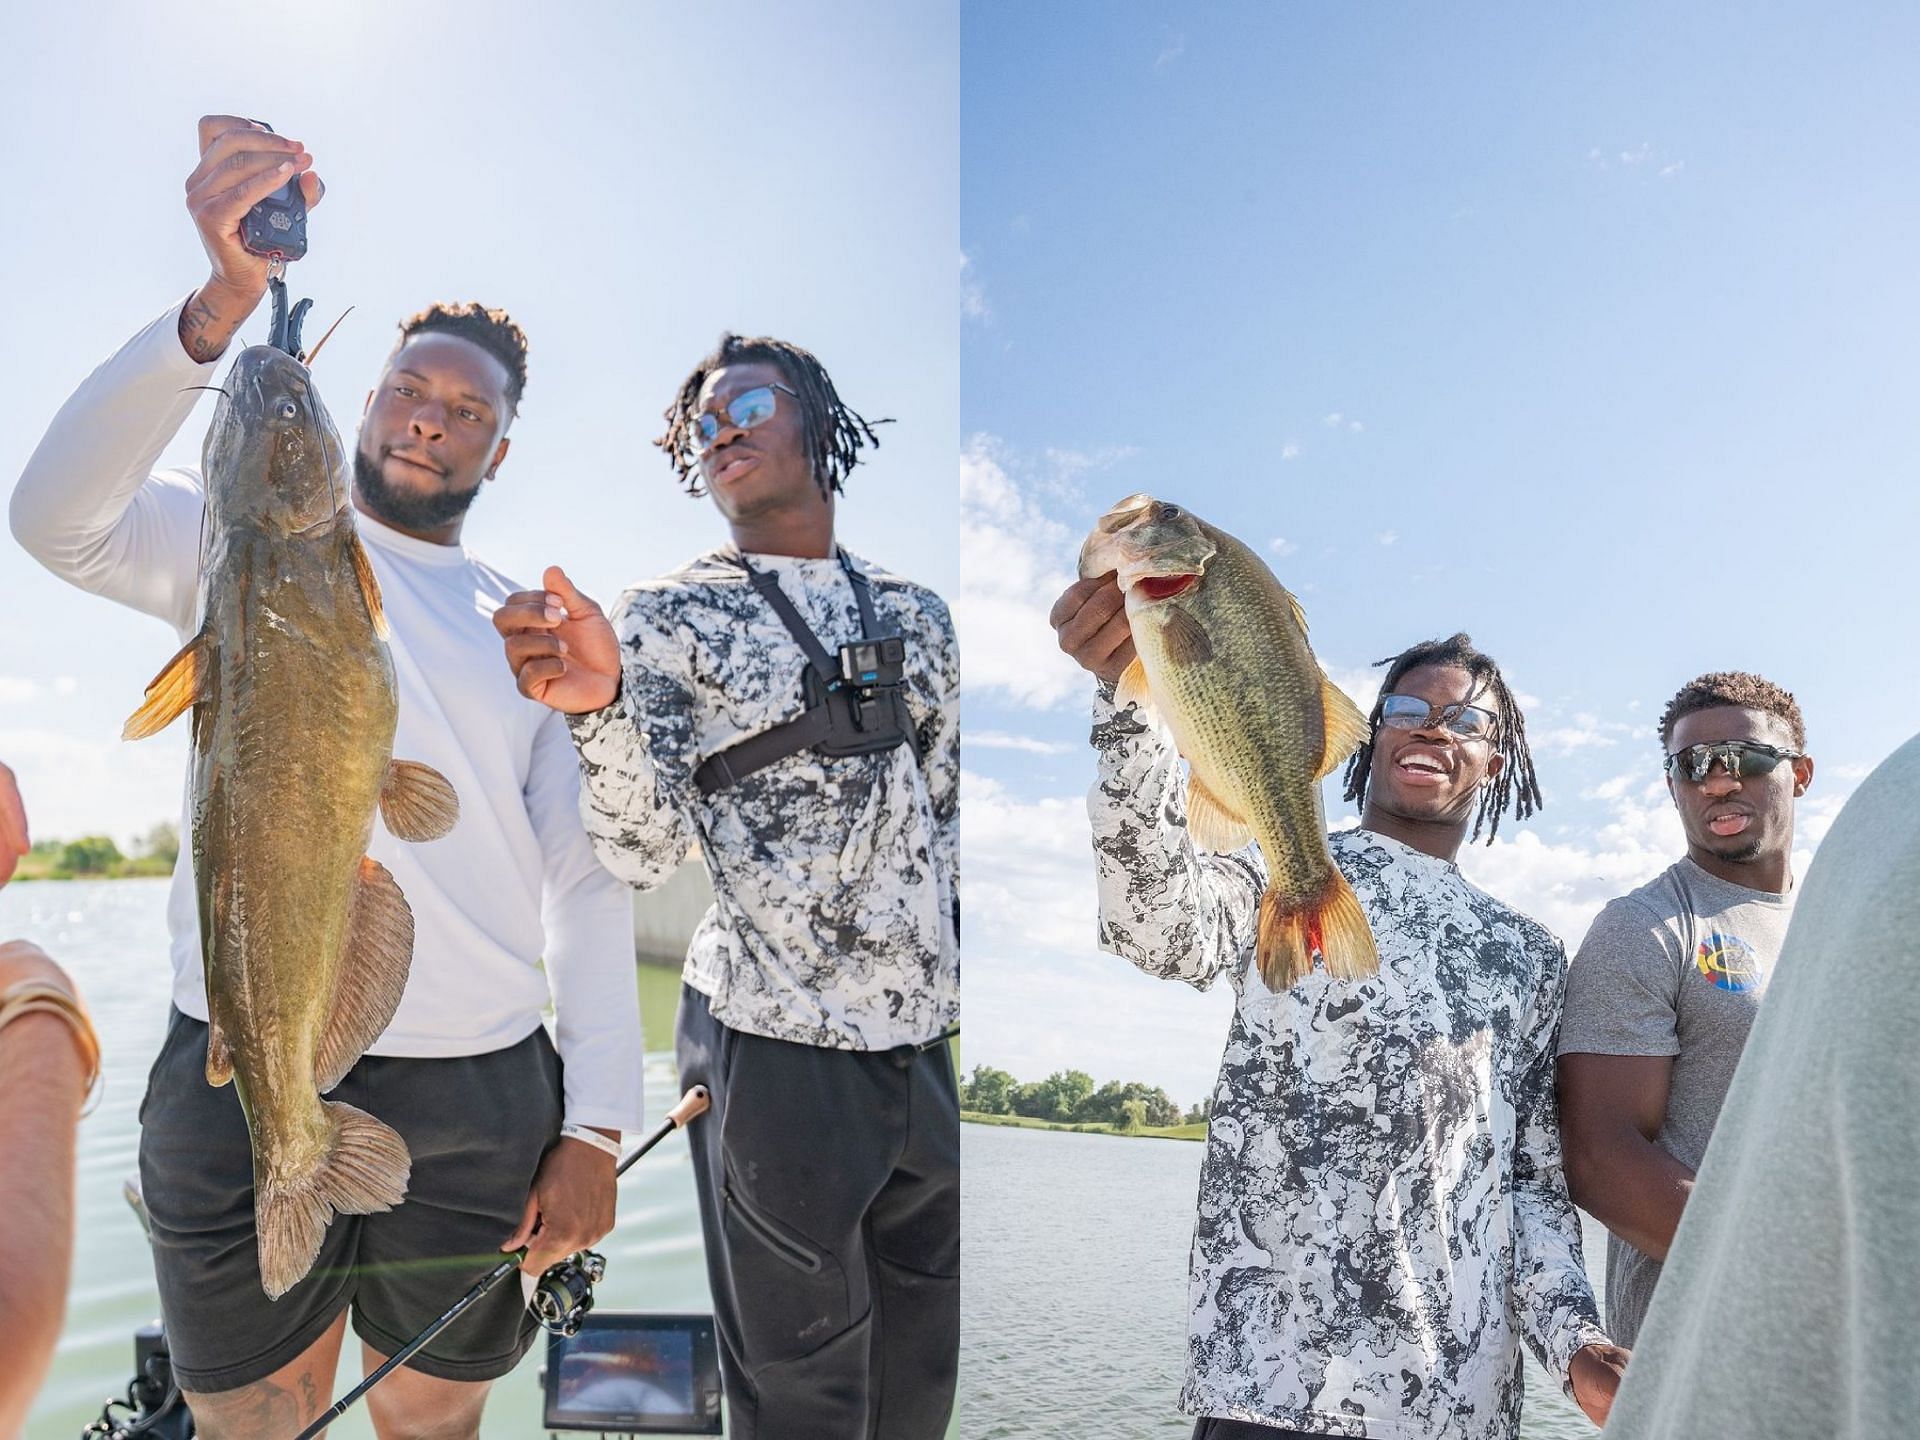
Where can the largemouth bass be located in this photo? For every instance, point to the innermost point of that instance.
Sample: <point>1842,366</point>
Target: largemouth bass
<point>1223,658</point>
<point>305,938</point>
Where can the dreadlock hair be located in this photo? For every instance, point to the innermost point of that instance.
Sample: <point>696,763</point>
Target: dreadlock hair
<point>1734,687</point>
<point>492,330</point>
<point>1515,787</point>
<point>834,434</point>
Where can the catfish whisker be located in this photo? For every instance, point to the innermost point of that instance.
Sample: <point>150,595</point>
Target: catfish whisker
<point>314,354</point>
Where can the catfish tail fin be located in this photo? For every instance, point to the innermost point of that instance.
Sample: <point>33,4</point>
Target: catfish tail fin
<point>365,1170</point>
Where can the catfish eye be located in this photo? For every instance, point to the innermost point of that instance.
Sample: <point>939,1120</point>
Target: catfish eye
<point>1169,512</point>
<point>289,410</point>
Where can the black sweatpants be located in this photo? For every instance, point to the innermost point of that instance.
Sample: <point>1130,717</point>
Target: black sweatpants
<point>1213,1427</point>
<point>829,1185</point>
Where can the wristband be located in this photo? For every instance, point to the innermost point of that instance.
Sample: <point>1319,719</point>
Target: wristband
<point>591,1137</point>
<point>24,997</point>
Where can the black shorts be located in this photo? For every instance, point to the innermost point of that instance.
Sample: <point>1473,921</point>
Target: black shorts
<point>476,1126</point>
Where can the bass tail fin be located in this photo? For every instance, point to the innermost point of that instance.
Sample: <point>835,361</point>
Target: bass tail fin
<point>1332,923</point>
<point>365,1170</point>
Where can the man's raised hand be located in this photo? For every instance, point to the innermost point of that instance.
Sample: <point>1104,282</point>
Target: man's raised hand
<point>561,646</point>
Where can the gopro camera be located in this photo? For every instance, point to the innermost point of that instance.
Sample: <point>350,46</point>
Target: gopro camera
<point>277,225</point>
<point>635,1374</point>
<point>869,665</point>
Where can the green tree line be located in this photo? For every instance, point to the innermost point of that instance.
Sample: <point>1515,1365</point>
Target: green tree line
<point>1070,1097</point>
<point>98,857</point>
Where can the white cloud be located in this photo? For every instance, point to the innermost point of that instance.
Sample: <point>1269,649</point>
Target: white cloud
<point>973,297</point>
<point>1387,537</point>
<point>1014,562</point>
<point>1332,420</point>
<point>78,784</point>
<point>1172,50</point>
<point>1290,450</point>
<point>998,740</point>
<point>1040,997</point>
<point>22,690</point>
<point>1583,732</point>
<point>1355,426</point>
<point>1282,547</point>
<point>1667,172</point>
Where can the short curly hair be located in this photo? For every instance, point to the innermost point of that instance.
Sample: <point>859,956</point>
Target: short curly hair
<point>1736,688</point>
<point>494,331</point>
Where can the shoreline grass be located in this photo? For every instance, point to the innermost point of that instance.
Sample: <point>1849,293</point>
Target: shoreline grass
<point>1197,1130</point>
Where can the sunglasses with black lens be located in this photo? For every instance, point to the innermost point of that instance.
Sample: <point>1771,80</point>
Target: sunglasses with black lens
<point>1410,712</point>
<point>1740,758</point>
<point>746,410</point>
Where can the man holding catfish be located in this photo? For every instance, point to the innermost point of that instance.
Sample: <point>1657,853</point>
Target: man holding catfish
<point>464,1071</point>
<point>1382,1214</point>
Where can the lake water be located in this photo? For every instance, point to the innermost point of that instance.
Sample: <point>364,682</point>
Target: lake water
<point>1074,1310</point>
<point>111,937</point>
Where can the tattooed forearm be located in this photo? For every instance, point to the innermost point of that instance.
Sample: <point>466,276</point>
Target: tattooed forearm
<point>208,321</point>
<point>195,321</point>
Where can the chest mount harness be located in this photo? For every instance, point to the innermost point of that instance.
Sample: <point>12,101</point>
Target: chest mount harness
<point>855,703</point>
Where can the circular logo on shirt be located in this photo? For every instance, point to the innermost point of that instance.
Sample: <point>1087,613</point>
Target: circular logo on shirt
<point>1728,961</point>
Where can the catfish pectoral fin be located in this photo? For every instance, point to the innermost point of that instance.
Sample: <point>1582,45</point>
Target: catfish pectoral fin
<point>417,801</point>
<point>376,956</point>
<point>1331,923</point>
<point>183,681</point>
<point>219,1055</point>
<point>369,583</point>
<point>365,1169</point>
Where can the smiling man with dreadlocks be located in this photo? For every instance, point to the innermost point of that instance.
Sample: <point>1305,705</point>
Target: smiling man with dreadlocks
<point>1382,1214</point>
<point>793,709</point>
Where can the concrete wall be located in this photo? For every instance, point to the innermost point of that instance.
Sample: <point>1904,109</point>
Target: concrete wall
<point>665,917</point>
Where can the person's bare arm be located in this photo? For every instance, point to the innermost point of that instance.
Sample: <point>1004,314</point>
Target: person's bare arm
<point>43,1075</point>
<point>1611,1110</point>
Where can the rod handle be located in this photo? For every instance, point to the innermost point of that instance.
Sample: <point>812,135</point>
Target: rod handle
<point>692,1105</point>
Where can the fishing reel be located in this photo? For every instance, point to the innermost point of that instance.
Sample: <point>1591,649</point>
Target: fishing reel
<point>155,1409</point>
<point>564,1294</point>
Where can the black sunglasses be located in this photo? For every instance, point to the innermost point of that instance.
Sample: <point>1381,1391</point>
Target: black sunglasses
<point>1410,712</point>
<point>746,410</point>
<point>1739,758</point>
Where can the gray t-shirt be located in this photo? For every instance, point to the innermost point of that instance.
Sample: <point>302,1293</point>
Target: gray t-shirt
<point>1791,1296</point>
<point>1676,968</point>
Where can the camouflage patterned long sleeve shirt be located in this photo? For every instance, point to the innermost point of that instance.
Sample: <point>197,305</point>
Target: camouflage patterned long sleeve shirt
<point>834,920</point>
<point>1383,1215</point>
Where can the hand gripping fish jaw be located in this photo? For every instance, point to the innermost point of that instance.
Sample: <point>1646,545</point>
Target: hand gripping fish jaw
<point>565,1292</point>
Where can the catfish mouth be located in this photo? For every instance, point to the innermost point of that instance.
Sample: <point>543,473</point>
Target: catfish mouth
<point>1165,587</point>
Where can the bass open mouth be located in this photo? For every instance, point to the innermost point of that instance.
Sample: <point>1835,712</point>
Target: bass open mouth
<point>1162,587</point>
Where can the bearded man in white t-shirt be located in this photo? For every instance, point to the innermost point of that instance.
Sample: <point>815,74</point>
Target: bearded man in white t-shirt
<point>465,1071</point>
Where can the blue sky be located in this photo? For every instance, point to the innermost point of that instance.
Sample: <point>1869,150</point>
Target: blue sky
<point>1588,331</point>
<point>627,179</point>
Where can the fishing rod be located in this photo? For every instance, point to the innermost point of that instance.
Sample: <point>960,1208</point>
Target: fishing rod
<point>565,1292</point>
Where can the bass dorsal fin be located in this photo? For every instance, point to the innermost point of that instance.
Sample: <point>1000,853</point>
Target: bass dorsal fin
<point>1346,728</point>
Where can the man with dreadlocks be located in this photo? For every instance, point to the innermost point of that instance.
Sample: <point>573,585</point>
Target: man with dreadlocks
<point>1669,980</point>
<point>823,794</point>
<point>465,1070</point>
<point>1382,1215</point>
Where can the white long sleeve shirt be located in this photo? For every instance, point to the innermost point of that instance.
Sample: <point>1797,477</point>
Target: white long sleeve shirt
<point>834,920</point>
<point>1383,1216</point>
<point>515,882</point>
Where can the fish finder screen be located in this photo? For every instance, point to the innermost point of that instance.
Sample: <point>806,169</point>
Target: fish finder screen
<point>635,1374</point>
